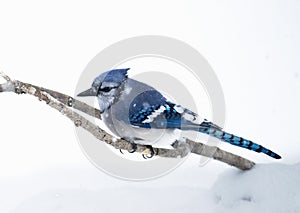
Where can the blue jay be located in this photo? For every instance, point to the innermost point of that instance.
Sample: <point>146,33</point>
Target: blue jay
<point>140,114</point>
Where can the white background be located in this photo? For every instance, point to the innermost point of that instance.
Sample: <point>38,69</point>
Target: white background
<point>253,46</point>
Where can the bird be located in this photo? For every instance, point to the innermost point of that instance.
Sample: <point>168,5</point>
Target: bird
<point>140,114</point>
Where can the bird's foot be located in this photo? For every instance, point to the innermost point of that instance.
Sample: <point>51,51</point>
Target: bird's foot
<point>133,149</point>
<point>148,152</point>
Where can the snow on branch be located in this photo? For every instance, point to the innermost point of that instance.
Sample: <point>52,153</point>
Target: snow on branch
<point>66,105</point>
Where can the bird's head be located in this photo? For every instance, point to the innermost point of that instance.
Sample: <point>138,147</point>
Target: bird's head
<point>107,87</point>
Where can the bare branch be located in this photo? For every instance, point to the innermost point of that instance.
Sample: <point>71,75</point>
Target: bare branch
<point>3,75</point>
<point>71,102</point>
<point>64,104</point>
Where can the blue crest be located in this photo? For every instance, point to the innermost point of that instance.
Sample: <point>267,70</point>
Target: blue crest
<point>115,75</point>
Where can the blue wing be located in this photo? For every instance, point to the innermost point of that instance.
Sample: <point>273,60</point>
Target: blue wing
<point>151,110</point>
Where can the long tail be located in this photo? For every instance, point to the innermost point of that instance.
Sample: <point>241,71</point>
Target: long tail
<point>215,131</point>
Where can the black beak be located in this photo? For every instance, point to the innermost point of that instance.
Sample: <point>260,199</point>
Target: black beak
<point>89,92</point>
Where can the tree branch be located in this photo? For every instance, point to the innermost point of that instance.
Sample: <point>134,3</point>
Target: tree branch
<point>64,104</point>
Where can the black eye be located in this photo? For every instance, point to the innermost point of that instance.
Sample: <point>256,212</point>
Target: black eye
<point>106,89</point>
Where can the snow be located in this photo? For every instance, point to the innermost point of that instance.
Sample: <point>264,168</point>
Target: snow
<point>109,200</point>
<point>265,188</point>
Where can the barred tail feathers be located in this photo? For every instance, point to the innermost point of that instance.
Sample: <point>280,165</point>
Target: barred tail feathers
<point>211,129</point>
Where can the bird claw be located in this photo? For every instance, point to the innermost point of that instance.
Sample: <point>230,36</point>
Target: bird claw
<point>148,152</point>
<point>134,148</point>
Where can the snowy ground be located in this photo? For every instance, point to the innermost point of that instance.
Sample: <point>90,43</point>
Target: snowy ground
<point>266,188</point>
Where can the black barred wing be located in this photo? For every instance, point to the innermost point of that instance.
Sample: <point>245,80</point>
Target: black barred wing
<point>151,110</point>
